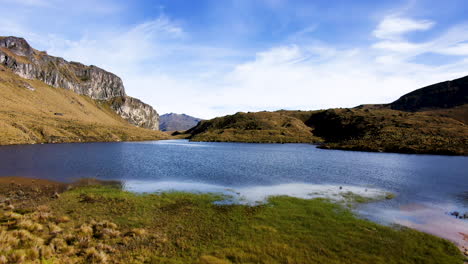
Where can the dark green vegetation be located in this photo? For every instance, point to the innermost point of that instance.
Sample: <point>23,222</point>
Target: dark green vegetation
<point>177,122</point>
<point>439,127</point>
<point>103,224</point>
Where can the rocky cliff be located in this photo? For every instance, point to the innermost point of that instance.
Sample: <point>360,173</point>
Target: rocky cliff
<point>136,112</point>
<point>17,55</point>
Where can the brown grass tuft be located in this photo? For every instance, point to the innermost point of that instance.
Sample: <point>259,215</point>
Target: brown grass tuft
<point>92,255</point>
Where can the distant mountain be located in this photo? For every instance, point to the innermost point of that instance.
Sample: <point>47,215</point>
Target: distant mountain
<point>441,95</point>
<point>177,122</point>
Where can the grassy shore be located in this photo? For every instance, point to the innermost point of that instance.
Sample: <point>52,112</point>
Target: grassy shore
<point>104,224</point>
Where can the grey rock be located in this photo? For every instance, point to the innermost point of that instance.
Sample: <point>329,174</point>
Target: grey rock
<point>94,82</point>
<point>136,112</point>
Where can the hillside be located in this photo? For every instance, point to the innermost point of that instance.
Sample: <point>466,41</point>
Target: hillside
<point>18,56</point>
<point>442,95</point>
<point>34,112</point>
<point>177,122</point>
<point>390,131</point>
<point>261,127</point>
<point>438,126</point>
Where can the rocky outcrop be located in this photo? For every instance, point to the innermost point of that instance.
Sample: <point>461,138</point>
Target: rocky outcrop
<point>17,55</point>
<point>136,112</point>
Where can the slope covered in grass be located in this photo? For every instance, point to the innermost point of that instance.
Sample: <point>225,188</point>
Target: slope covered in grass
<point>387,130</point>
<point>365,129</point>
<point>261,127</point>
<point>33,112</point>
<point>437,96</point>
<point>103,224</point>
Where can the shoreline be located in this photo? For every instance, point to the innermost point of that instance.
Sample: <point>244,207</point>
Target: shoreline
<point>325,146</point>
<point>316,144</point>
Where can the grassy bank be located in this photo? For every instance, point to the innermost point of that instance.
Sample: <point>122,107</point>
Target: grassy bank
<point>103,224</point>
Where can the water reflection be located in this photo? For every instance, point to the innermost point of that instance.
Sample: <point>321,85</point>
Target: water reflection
<point>257,194</point>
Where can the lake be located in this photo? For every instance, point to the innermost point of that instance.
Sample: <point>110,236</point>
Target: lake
<point>427,187</point>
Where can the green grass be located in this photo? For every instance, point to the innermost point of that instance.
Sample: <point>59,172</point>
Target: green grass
<point>189,228</point>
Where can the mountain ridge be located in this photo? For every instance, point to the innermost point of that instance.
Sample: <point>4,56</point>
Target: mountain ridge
<point>441,95</point>
<point>33,112</point>
<point>94,82</point>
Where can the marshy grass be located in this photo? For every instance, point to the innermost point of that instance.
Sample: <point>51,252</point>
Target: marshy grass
<point>116,226</point>
<point>181,227</point>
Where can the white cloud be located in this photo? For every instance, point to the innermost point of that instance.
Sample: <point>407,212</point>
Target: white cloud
<point>393,27</point>
<point>452,42</point>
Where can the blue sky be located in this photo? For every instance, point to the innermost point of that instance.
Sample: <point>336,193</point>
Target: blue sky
<point>214,57</point>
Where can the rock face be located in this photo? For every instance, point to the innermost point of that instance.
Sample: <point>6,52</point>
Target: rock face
<point>17,55</point>
<point>177,122</point>
<point>136,112</point>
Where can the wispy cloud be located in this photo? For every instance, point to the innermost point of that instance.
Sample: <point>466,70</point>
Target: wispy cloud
<point>393,27</point>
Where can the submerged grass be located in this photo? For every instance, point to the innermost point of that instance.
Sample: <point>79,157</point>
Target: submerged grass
<point>189,228</point>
